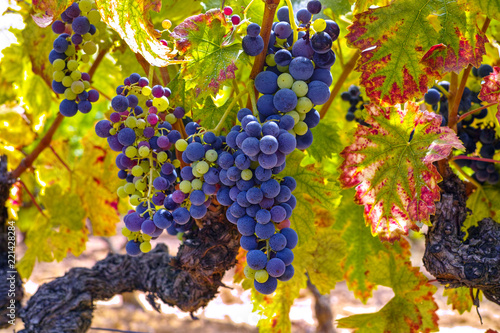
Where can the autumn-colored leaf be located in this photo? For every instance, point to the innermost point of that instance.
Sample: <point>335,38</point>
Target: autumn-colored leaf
<point>394,40</point>
<point>130,19</point>
<point>489,8</point>
<point>490,89</point>
<point>210,114</point>
<point>390,162</point>
<point>412,309</point>
<point>205,41</point>
<point>459,298</point>
<point>47,10</point>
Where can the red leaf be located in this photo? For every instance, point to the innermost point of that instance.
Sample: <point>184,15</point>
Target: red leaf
<point>490,89</point>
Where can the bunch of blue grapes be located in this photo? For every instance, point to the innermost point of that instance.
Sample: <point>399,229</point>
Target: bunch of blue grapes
<point>297,72</point>
<point>66,57</point>
<point>353,96</point>
<point>477,135</point>
<point>259,201</point>
<point>139,128</point>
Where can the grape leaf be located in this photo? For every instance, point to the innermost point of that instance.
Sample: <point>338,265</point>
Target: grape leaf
<point>205,41</point>
<point>46,10</point>
<point>412,309</point>
<point>459,298</point>
<point>326,141</point>
<point>337,7</point>
<point>488,8</point>
<point>210,114</point>
<point>313,184</point>
<point>14,126</point>
<point>37,44</point>
<point>490,89</point>
<point>129,18</point>
<point>482,205</point>
<point>395,38</point>
<point>390,162</point>
<point>96,183</point>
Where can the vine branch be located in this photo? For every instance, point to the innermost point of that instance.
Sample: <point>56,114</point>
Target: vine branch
<point>96,63</point>
<point>44,143</point>
<point>32,197</point>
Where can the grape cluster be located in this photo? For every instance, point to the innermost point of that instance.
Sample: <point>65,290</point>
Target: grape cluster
<point>140,129</point>
<point>353,96</point>
<point>478,137</point>
<point>66,57</point>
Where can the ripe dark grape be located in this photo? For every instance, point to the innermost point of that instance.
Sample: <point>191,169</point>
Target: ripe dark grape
<point>253,45</point>
<point>321,42</point>
<point>432,96</point>
<point>314,6</point>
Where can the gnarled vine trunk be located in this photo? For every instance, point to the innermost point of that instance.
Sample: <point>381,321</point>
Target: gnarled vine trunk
<point>473,263</point>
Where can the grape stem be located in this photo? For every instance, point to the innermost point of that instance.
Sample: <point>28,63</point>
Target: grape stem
<point>150,183</point>
<point>443,91</point>
<point>44,143</point>
<point>246,9</point>
<point>465,175</point>
<point>218,128</point>
<point>31,197</point>
<point>453,119</point>
<point>465,115</point>
<point>291,18</point>
<point>252,94</point>
<point>472,158</point>
<point>268,252</point>
<point>338,85</point>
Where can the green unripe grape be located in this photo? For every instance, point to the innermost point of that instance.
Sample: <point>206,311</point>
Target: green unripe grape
<point>97,32</point>
<point>180,236</point>
<point>181,145</point>
<point>146,91</point>
<point>112,131</point>
<point>85,6</point>
<point>141,124</point>
<point>270,60</point>
<point>166,24</point>
<point>261,276</point>
<point>58,75</point>
<point>58,65</point>
<point>185,186</point>
<point>101,26</point>
<point>196,184</point>
<point>195,172</point>
<point>295,115</point>
<point>161,103</point>
<point>282,69</point>
<point>302,116</point>
<point>145,166</point>
<point>292,132</point>
<point>85,58</point>
<point>304,105</point>
<point>72,65</point>
<point>176,163</point>
<point>134,199</point>
<point>319,25</point>
<point>89,48</point>
<point>87,36</point>
<point>170,118</point>
<point>144,151</point>
<point>121,192</point>
<point>254,165</point>
<point>76,75</point>
<point>146,237</point>
<point>126,232</point>
<point>131,237</point>
<point>129,188</point>
<point>249,272</point>
<point>71,51</point>
<point>300,88</point>
<point>140,185</point>
<point>130,151</point>
<point>246,174</point>
<point>67,81</point>
<point>285,81</point>
<point>86,84</point>
<point>145,247</point>
<point>94,17</point>
<point>162,157</point>
<point>300,128</point>
<point>202,167</point>
<point>131,122</point>
<point>137,171</point>
<point>77,87</point>
<point>211,155</point>
<point>69,94</point>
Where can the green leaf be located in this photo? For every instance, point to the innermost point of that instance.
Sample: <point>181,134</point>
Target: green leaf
<point>63,209</point>
<point>394,176</point>
<point>205,42</point>
<point>338,7</point>
<point>403,53</point>
<point>412,309</point>
<point>314,187</point>
<point>489,8</point>
<point>482,206</point>
<point>14,127</point>
<point>210,114</point>
<point>130,19</point>
<point>326,141</point>
<point>38,43</point>
<point>459,298</point>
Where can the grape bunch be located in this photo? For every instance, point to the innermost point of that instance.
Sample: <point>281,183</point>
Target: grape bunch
<point>260,201</point>
<point>140,129</point>
<point>477,135</point>
<point>66,57</point>
<point>297,74</point>
<point>353,96</point>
